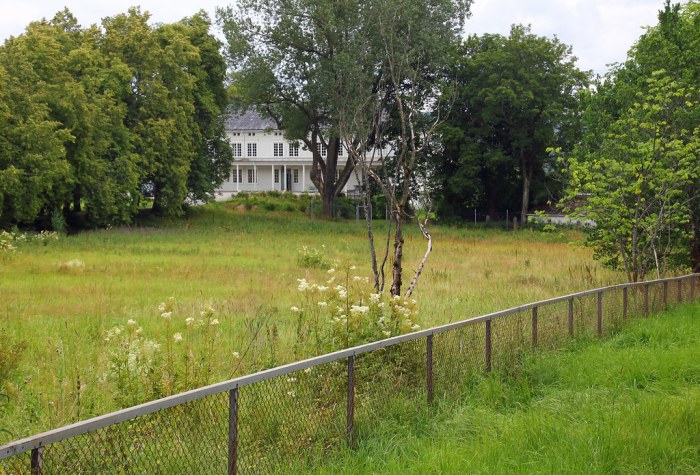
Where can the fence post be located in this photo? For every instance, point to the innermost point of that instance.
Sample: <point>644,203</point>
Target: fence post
<point>679,291</point>
<point>429,367</point>
<point>488,346</point>
<point>534,327</point>
<point>350,435</point>
<point>571,318</point>
<point>692,288</point>
<point>37,463</point>
<point>665,294</point>
<point>600,313</point>
<point>233,431</point>
<point>625,304</point>
<point>646,300</point>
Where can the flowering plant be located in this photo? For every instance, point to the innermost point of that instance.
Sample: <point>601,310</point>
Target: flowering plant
<point>344,311</point>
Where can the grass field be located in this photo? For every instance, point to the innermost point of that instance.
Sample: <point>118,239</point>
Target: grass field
<point>61,299</point>
<point>630,404</point>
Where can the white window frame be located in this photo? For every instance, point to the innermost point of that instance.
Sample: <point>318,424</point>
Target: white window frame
<point>278,149</point>
<point>295,173</point>
<point>252,149</point>
<point>251,176</point>
<point>322,149</point>
<point>277,175</point>
<point>293,150</point>
<point>237,149</point>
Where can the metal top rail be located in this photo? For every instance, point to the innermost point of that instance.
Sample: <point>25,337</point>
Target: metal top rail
<point>40,440</point>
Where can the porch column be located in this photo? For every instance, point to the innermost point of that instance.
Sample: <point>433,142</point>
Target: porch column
<point>272,177</point>
<point>303,178</point>
<point>284,178</point>
<point>255,176</point>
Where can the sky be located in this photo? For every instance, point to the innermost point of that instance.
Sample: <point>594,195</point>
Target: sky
<point>600,31</point>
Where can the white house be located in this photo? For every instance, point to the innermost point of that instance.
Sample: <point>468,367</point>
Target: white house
<point>264,160</point>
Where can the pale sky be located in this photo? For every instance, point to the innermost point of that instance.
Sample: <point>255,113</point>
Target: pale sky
<point>600,31</point>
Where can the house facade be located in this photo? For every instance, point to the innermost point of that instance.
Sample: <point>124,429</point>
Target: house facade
<point>265,161</point>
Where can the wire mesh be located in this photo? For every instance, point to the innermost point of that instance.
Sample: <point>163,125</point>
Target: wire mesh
<point>612,311</point>
<point>292,419</point>
<point>292,422</point>
<point>511,337</point>
<point>457,355</point>
<point>388,375</point>
<point>552,325</point>
<point>19,464</point>
<point>190,438</point>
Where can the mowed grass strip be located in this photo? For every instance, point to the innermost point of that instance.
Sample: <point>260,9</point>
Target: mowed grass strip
<point>243,263</point>
<point>630,404</point>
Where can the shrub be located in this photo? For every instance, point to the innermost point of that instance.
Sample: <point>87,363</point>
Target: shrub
<point>311,257</point>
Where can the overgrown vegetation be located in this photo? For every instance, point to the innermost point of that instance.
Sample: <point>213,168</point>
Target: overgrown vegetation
<point>630,404</point>
<point>64,296</point>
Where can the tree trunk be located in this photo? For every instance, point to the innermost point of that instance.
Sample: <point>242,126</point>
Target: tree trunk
<point>398,256</point>
<point>527,180</point>
<point>694,240</point>
<point>77,207</point>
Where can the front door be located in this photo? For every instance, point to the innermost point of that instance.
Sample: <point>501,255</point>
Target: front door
<point>289,180</point>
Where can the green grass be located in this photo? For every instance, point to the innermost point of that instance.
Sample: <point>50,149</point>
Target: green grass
<point>244,263</point>
<point>630,404</point>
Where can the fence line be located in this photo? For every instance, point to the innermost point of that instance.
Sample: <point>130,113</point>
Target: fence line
<point>264,421</point>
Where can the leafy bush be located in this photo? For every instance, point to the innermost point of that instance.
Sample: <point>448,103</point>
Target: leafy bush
<point>311,257</point>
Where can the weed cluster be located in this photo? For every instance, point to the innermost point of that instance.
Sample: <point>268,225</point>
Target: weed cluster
<point>13,240</point>
<point>343,311</point>
<point>311,257</point>
<point>181,358</point>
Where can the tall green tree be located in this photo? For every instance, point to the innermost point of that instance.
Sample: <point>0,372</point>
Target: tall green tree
<point>293,62</point>
<point>635,184</point>
<point>33,166</point>
<point>516,97</point>
<point>661,75</point>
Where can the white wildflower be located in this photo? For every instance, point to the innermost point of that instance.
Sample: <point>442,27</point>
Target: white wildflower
<point>330,271</point>
<point>303,285</point>
<point>291,393</point>
<point>236,355</point>
<point>177,337</point>
<point>214,322</point>
<point>415,327</point>
<point>322,304</point>
<point>353,267</point>
<point>386,333</point>
<point>189,321</point>
<point>358,309</point>
<point>131,322</point>
<point>322,288</point>
<point>291,379</point>
<point>295,309</point>
<point>356,278</point>
<point>342,294</point>
<point>374,298</point>
<point>166,315</point>
<point>307,370</point>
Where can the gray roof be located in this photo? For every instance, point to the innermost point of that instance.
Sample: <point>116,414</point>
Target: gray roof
<point>248,120</point>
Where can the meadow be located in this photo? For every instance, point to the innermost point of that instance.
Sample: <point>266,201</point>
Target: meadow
<point>75,310</point>
<point>628,404</point>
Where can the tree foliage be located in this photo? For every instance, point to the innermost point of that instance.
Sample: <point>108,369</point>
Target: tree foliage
<point>516,96</point>
<point>635,184</point>
<point>110,109</point>
<point>639,157</point>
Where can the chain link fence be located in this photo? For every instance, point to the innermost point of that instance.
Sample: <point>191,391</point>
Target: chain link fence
<point>293,416</point>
